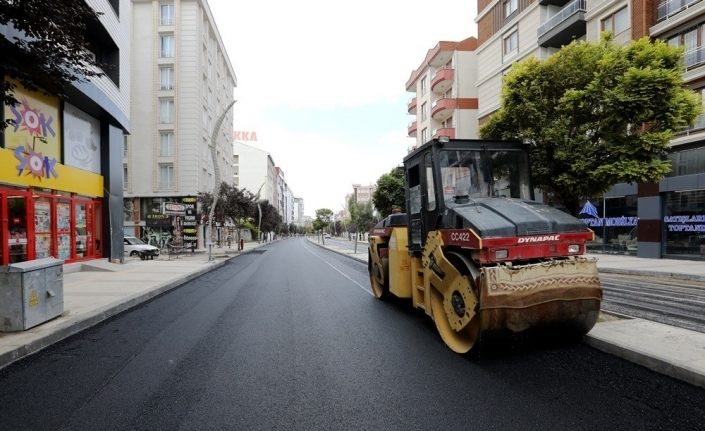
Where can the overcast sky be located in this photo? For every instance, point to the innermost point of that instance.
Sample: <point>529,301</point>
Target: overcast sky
<point>322,83</point>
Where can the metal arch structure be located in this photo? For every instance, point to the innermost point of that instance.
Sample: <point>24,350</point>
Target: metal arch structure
<point>216,169</point>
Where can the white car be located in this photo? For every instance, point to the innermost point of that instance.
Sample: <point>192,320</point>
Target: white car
<point>136,247</point>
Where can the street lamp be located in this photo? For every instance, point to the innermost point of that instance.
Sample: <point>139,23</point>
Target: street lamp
<point>259,209</point>
<point>216,169</point>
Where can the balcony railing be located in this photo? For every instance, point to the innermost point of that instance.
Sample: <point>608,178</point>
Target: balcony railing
<point>667,9</point>
<point>694,57</point>
<point>697,126</point>
<point>564,14</point>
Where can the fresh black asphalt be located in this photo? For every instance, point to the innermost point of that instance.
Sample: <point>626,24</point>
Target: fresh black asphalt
<point>289,338</point>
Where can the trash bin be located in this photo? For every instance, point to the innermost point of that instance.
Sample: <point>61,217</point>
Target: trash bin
<point>31,293</point>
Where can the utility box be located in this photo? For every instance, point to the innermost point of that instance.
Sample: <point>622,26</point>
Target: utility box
<point>31,293</point>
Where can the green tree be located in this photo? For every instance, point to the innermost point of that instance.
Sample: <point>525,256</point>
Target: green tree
<point>390,192</point>
<point>323,219</point>
<point>44,45</point>
<point>596,114</point>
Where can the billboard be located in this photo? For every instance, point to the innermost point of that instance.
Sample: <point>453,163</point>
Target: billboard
<point>36,128</point>
<point>81,139</point>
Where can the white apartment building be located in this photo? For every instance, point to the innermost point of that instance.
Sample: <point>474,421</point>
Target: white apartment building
<point>255,171</point>
<point>183,83</point>
<point>446,99</point>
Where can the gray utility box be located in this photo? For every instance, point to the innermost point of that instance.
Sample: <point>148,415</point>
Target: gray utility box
<point>31,293</point>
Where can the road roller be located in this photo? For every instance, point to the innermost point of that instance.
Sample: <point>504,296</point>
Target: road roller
<point>477,253</point>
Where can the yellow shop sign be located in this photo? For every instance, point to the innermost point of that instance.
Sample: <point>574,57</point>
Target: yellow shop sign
<point>24,167</point>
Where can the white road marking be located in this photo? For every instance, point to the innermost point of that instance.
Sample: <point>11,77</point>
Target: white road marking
<point>339,271</point>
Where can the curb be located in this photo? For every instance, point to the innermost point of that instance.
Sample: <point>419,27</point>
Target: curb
<point>348,255</point>
<point>73,327</point>
<point>651,362</point>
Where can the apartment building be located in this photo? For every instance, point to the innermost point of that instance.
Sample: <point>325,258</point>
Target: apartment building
<point>650,220</point>
<point>445,97</point>
<point>183,85</point>
<point>254,170</point>
<point>65,193</point>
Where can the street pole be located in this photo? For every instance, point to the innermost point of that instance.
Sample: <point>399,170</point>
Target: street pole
<point>216,169</point>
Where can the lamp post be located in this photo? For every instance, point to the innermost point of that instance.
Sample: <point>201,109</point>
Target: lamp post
<point>259,209</point>
<point>216,169</point>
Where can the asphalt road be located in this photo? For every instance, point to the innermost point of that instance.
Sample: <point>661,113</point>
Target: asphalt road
<point>291,338</point>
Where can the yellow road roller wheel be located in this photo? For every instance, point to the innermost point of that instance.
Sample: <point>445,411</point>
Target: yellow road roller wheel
<point>455,310</point>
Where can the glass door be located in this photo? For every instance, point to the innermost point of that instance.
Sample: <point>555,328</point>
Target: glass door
<point>81,229</point>
<point>98,229</point>
<point>17,226</point>
<point>63,229</point>
<point>42,228</point>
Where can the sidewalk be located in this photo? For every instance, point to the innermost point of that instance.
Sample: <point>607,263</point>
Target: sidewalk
<point>676,352</point>
<point>97,290</point>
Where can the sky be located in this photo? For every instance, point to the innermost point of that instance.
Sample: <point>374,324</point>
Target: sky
<point>322,83</point>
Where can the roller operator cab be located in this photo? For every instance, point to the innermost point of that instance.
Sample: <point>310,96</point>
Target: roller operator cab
<point>476,253</point>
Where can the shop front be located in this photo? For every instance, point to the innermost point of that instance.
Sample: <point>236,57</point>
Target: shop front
<point>50,184</point>
<point>614,221</point>
<point>684,224</point>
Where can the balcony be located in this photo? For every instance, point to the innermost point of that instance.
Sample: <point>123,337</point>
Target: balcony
<point>697,127</point>
<point>442,80</point>
<point>443,108</point>
<point>411,106</point>
<point>565,26</point>
<point>694,58</point>
<point>444,131</point>
<point>667,9</point>
<point>412,129</point>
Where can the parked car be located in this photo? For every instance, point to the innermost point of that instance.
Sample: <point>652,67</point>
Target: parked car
<point>136,247</point>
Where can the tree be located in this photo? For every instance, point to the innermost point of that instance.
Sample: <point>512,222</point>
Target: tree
<point>596,114</point>
<point>45,46</point>
<point>390,192</point>
<point>323,218</point>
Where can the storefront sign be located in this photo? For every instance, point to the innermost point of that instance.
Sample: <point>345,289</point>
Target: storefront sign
<point>59,177</point>
<point>81,139</point>
<point>685,223</point>
<point>190,221</point>
<point>173,208</point>
<point>158,220</point>
<point>611,221</point>
<point>37,127</point>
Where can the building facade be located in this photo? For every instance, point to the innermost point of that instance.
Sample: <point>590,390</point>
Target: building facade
<point>254,170</point>
<point>650,220</point>
<point>60,164</point>
<point>183,87</point>
<point>445,97</point>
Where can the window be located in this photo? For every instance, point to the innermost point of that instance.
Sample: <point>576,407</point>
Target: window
<point>166,43</point>
<point>511,43</point>
<point>166,144</point>
<point>617,22</point>
<point>430,189</point>
<point>166,111</point>
<point>510,6</point>
<point>166,78</point>
<point>166,176</point>
<point>166,14</point>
